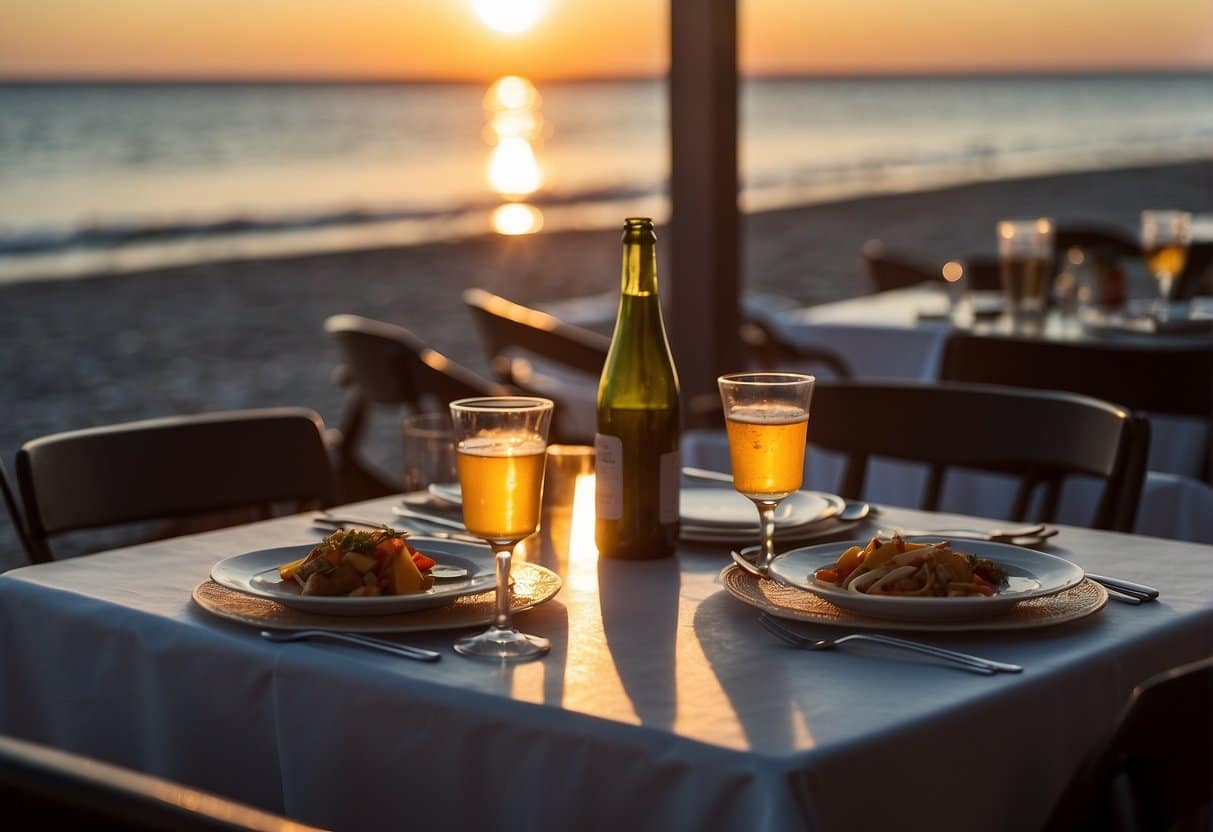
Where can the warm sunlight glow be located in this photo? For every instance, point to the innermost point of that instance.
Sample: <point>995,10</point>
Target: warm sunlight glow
<point>512,104</point>
<point>513,169</point>
<point>516,218</point>
<point>512,92</point>
<point>952,271</point>
<point>583,552</point>
<point>510,17</point>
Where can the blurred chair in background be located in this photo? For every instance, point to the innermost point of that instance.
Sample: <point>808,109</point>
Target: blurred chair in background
<point>543,356</point>
<point>888,270</point>
<point>176,467</point>
<point>14,511</point>
<point>1155,771</point>
<point>768,349</point>
<point>1095,239</point>
<point>384,365</point>
<point>1170,379</point>
<point>539,353</point>
<point>1197,277</point>
<point>979,427</point>
<point>56,789</point>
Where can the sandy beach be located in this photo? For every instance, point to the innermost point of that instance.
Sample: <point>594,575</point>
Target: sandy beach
<point>222,335</point>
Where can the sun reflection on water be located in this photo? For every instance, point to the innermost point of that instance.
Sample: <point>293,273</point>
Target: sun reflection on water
<point>513,171</point>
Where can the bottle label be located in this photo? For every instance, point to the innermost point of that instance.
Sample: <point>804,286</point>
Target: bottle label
<point>671,476</point>
<point>608,477</point>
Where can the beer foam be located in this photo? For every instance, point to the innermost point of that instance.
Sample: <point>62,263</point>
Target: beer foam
<point>768,414</point>
<point>498,444</point>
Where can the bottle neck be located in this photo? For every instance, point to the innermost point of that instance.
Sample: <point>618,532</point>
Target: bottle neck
<point>639,265</point>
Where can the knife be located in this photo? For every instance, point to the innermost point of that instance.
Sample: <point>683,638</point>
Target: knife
<point>1145,593</point>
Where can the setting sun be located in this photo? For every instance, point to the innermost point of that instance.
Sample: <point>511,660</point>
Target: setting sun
<point>510,17</point>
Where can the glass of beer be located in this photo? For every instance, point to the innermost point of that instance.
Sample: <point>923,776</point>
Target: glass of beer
<point>767,417</point>
<point>500,448</point>
<point>1025,261</point>
<point>1165,236</point>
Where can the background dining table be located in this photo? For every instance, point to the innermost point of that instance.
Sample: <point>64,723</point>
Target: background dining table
<point>663,704</point>
<point>902,333</point>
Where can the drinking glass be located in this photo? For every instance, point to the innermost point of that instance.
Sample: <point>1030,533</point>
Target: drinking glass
<point>501,443</point>
<point>767,417</point>
<point>1025,261</point>
<point>1165,236</point>
<point>429,450</point>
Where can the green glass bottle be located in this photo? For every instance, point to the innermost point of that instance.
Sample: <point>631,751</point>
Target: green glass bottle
<point>636,463</point>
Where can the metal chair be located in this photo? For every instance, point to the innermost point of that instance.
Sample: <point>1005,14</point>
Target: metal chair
<point>1155,770</point>
<point>384,365</point>
<point>1040,437</point>
<point>56,789</point>
<point>176,467</point>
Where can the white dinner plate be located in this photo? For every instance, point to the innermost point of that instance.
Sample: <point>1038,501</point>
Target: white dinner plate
<point>716,507</point>
<point>720,515</point>
<point>256,573</point>
<point>1031,574</point>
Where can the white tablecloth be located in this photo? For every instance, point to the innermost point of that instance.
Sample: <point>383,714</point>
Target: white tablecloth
<point>663,705</point>
<point>883,336</point>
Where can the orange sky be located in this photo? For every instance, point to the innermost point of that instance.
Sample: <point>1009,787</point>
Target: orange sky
<point>444,39</point>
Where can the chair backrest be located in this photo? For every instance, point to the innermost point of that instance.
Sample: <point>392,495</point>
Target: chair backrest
<point>171,468</point>
<point>1174,378</point>
<point>1041,437</point>
<point>1095,239</point>
<point>385,365</point>
<point>59,789</point>
<point>1155,771</point>
<point>1167,378</point>
<point>769,349</point>
<point>889,270</point>
<point>14,510</point>
<point>507,328</point>
<point>1197,276</point>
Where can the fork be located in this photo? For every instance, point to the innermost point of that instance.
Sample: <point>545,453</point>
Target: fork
<point>975,664</point>
<point>409,652</point>
<point>1038,532</point>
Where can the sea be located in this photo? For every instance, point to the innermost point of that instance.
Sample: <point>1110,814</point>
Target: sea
<point>105,177</point>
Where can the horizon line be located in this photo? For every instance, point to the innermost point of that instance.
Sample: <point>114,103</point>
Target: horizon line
<point>824,75</point>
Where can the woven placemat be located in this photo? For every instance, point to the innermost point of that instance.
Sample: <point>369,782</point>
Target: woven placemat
<point>1082,600</point>
<point>532,585</point>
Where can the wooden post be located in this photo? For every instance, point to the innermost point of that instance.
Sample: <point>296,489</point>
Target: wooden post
<point>705,222</point>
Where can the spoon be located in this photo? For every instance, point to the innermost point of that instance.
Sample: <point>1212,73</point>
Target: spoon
<point>854,510</point>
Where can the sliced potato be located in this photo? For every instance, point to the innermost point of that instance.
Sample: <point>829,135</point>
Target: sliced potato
<point>287,570</point>
<point>360,562</point>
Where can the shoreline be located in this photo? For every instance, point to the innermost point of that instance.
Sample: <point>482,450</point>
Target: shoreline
<point>302,235</point>
<point>249,333</point>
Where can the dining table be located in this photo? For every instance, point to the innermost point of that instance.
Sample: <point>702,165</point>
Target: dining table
<point>663,704</point>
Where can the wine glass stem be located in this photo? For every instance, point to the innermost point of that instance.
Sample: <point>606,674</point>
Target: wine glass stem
<point>766,516</point>
<point>502,553</point>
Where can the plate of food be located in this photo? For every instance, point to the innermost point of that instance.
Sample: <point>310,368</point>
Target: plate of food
<point>925,578</point>
<point>375,572</point>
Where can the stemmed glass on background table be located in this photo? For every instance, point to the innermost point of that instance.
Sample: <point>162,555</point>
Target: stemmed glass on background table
<point>501,445</point>
<point>1165,236</point>
<point>767,418</point>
